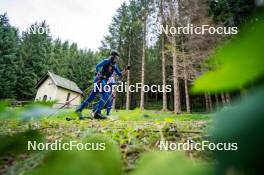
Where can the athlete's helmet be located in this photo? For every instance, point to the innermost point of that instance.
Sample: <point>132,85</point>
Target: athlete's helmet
<point>114,52</point>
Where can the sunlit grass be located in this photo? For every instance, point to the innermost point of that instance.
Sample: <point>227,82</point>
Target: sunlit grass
<point>137,115</point>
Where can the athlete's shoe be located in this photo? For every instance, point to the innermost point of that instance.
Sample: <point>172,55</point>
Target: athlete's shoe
<point>99,116</point>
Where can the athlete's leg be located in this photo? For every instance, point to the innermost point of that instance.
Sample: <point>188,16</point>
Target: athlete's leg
<point>109,106</point>
<point>104,98</point>
<point>90,98</point>
<point>87,100</point>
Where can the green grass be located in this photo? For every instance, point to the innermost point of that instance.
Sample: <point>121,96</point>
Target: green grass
<point>134,133</point>
<point>137,115</point>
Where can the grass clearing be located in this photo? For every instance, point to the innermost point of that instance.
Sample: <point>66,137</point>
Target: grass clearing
<point>134,132</point>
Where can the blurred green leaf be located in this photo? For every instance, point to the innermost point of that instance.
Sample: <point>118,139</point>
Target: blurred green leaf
<point>36,112</point>
<point>241,61</point>
<point>170,163</point>
<point>18,143</point>
<point>242,124</point>
<point>32,111</point>
<point>101,162</point>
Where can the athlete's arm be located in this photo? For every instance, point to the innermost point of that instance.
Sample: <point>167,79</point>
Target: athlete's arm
<point>101,64</point>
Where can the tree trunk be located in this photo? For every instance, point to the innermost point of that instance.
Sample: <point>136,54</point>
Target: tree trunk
<point>172,39</point>
<point>206,102</point>
<point>187,98</point>
<point>171,100</point>
<point>188,108</point>
<point>228,98</point>
<point>210,103</point>
<point>223,99</point>
<point>177,103</point>
<point>164,94</point>
<point>216,100</point>
<point>128,80</point>
<point>143,66</point>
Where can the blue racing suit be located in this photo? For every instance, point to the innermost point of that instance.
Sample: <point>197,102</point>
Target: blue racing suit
<point>104,70</point>
<point>110,99</point>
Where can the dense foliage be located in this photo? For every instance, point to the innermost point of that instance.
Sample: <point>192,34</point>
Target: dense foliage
<point>25,59</point>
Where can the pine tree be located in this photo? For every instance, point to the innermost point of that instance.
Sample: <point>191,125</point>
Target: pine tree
<point>8,58</point>
<point>35,52</point>
<point>125,34</point>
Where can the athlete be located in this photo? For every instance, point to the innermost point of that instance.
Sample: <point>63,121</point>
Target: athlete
<point>104,70</point>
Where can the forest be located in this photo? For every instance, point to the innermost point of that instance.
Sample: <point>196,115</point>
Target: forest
<point>217,92</point>
<point>154,58</point>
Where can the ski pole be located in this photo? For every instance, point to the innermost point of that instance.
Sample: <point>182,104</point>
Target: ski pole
<point>65,104</point>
